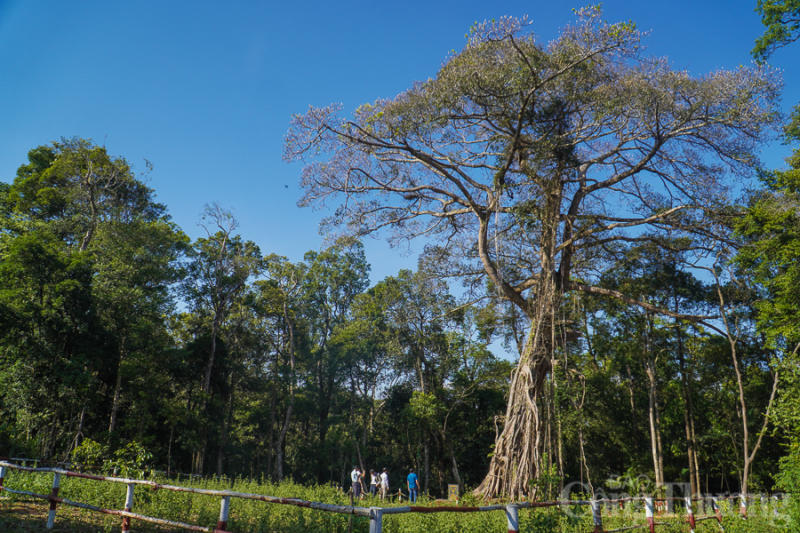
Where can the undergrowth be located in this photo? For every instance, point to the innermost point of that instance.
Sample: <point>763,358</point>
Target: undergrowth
<point>251,516</point>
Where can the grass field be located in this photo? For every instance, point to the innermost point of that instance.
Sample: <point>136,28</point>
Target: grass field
<point>21,514</point>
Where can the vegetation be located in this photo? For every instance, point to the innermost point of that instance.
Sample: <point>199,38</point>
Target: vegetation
<point>539,170</point>
<point>255,516</point>
<point>580,192</point>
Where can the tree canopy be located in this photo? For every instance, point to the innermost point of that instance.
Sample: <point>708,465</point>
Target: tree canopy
<point>534,167</point>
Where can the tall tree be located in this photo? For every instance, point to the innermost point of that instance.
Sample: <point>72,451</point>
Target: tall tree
<point>282,287</point>
<point>220,266</point>
<point>334,278</point>
<point>528,162</point>
<point>104,249</point>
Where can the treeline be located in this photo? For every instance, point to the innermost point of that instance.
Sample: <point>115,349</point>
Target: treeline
<point>221,358</point>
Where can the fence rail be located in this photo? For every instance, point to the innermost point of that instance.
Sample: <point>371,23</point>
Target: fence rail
<point>375,514</point>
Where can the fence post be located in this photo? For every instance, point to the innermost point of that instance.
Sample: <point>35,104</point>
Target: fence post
<point>375,520</point>
<point>512,516</point>
<point>743,506</point>
<point>648,506</point>
<point>126,520</point>
<point>51,516</point>
<point>224,510</point>
<point>717,512</point>
<point>690,514</point>
<point>597,517</point>
<point>775,510</point>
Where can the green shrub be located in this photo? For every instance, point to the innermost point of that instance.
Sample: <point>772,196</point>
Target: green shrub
<point>253,516</point>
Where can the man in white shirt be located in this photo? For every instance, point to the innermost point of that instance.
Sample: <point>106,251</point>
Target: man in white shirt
<point>355,477</point>
<point>384,484</point>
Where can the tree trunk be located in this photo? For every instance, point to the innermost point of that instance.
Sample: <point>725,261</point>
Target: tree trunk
<point>272,417</point>
<point>226,427</point>
<point>687,414</point>
<point>733,339</point>
<point>115,404</point>
<point>112,424</point>
<point>694,439</point>
<point>279,452</point>
<point>515,460</point>
<point>215,325</point>
<point>550,411</point>
<point>169,448</point>
<point>634,419</point>
<point>584,464</point>
<point>287,420</point>
<point>560,459</point>
<point>660,449</point>
<point>655,436</point>
<point>453,463</point>
<point>427,451</point>
<point>199,456</point>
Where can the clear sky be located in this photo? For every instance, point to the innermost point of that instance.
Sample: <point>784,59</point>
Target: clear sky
<point>205,90</point>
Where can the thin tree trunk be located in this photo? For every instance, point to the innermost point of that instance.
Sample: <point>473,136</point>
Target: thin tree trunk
<point>79,433</point>
<point>733,340</point>
<point>360,457</point>
<point>427,450</point>
<point>215,325</point>
<point>272,418</point>
<point>115,403</point>
<point>200,455</point>
<point>226,430</point>
<point>287,420</point>
<point>169,448</point>
<point>279,454</point>
<point>687,413</point>
<point>550,411</point>
<point>453,463</point>
<point>585,464</point>
<point>696,450</point>
<point>560,458</point>
<point>634,418</point>
<point>660,448</point>
<point>112,424</point>
<point>654,429</point>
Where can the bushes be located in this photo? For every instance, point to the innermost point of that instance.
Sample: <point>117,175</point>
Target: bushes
<point>254,516</point>
<point>789,480</point>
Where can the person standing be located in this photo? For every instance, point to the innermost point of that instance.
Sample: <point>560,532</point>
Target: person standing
<point>374,481</point>
<point>355,477</point>
<point>413,486</point>
<point>384,484</point>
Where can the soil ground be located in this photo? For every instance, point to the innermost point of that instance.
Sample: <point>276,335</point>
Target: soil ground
<point>31,517</point>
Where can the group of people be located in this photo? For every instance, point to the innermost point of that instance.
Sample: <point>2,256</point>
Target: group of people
<point>379,483</point>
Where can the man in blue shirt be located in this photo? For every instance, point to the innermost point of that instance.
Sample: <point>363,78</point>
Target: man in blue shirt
<point>413,486</point>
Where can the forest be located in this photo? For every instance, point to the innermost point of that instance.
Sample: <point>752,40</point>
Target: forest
<point>609,293</point>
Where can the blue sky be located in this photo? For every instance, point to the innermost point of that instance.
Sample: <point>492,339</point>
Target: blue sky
<point>205,90</point>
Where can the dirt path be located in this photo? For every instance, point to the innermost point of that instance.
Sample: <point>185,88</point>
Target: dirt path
<point>31,517</point>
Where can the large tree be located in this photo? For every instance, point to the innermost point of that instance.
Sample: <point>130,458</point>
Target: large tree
<point>533,165</point>
<point>781,19</point>
<point>771,231</point>
<point>87,257</point>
